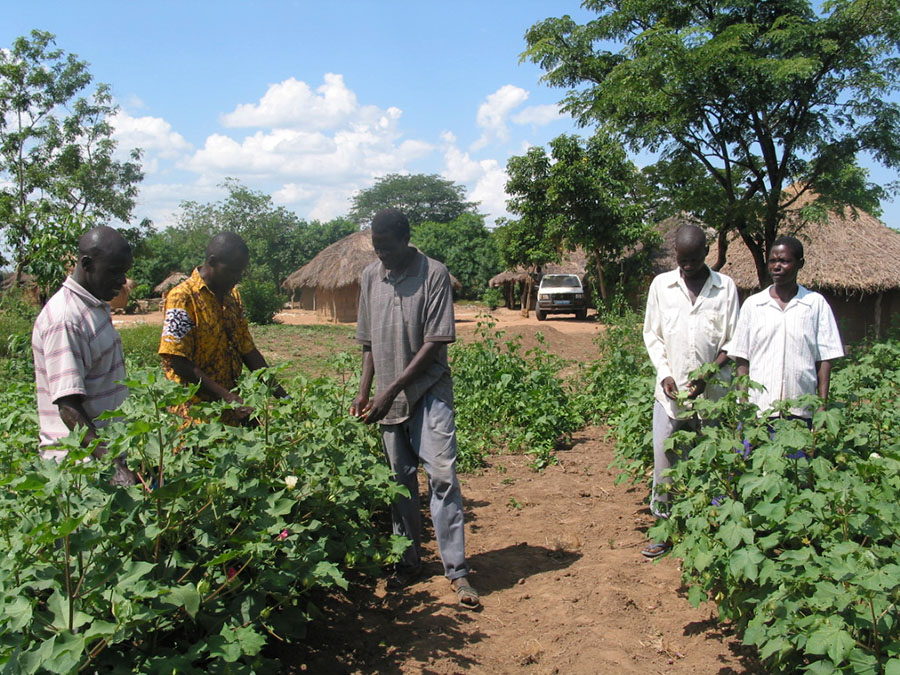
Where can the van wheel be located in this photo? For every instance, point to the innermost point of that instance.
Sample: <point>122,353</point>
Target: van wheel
<point>540,315</point>
<point>581,314</point>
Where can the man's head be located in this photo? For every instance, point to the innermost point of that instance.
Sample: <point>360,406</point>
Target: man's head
<point>104,257</point>
<point>690,251</point>
<point>227,257</point>
<point>785,260</point>
<point>390,238</point>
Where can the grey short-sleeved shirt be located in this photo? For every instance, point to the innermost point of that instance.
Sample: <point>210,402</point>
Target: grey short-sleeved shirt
<point>396,317</point>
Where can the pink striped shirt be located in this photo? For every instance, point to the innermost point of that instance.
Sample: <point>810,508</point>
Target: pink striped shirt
<point>76,351</point>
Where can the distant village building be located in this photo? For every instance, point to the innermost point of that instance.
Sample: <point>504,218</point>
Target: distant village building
<point>163,287</point>
<point>329,283</point>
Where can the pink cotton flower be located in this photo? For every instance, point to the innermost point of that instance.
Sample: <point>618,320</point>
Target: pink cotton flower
<point>231,573</point>
<point>283,535</point>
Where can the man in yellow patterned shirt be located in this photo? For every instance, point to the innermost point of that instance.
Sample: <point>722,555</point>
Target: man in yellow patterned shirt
<point>205,336</point>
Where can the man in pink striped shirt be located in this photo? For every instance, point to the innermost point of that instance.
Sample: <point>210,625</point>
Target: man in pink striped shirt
<point>78,359</point>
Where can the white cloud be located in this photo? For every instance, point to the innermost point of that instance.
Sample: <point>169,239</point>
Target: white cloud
<point>493,113</point>
<point>363,147</point>
<point>538,115</point>
<point>293,104</point>
<point>153,135</point>
<point>485,179</point>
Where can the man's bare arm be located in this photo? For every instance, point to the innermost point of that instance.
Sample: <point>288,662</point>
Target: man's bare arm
<point>188,371</point>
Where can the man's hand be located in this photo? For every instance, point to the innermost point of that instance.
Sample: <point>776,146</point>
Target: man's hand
<point>669,387</point>
<point>360,406</point>
<point>696,387</point>
<point>123,476</point>
<point>240,414</point>
<point>378,407</point>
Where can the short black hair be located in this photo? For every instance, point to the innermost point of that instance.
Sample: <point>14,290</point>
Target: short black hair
<point>792,243</point>
<point>393,220</point>
<point>227,246</point>
<point>690,236</point>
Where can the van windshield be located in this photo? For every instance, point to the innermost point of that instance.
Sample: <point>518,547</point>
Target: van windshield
<point>564,281</point>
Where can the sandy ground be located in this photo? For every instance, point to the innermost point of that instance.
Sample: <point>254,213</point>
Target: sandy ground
<point>557,559</point>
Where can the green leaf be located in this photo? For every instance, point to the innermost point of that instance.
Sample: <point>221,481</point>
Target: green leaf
<point>831,640</point>
<point>892,667</point>
<point>696,596</point>
<point>744,563</point>
<point>67,653</point>
<point>733,534</point>
<point>185,596</point>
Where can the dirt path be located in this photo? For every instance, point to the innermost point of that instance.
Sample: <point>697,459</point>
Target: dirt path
<point>557,559</point>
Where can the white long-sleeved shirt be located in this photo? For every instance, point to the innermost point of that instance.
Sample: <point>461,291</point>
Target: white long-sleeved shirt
<point>681,336</point>
<point>784,345</point>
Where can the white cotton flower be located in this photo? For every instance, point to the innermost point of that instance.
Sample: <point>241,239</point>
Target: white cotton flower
<point>290,482</point>
<point>874,455</point>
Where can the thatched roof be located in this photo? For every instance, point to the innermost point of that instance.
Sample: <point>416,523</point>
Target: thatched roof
<point>340,264</point>
<point>847,252</point>
<point>169,282</point>
<point>573,262</point>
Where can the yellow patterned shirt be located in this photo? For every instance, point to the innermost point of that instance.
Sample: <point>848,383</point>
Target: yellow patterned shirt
<point>212,335</point>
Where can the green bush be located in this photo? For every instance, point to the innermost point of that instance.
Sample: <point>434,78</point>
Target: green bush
<point>797,540</point>
<point>617,389</point>
<point>261,299</point>
<point>140,342</point>
<point>216,551</point>
<point>492,297</point>
<point>506,399</point>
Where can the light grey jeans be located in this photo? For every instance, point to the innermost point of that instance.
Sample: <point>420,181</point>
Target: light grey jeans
<point>429,437</point>
<point>663,427</point>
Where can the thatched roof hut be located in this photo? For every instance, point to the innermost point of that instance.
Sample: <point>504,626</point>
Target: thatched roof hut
<point>329,283</point>
<point>852,258</point>
<point>169,283</point>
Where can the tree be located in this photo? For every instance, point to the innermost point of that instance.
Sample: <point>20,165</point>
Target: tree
<point>758,96</point>
<point>421,197</point>
<point>279,241</point>
<point>465,246</point>
<point>581,194</point>
<point>58,175</point>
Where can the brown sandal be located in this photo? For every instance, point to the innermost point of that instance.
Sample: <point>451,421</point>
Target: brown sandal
<point>466,596</point>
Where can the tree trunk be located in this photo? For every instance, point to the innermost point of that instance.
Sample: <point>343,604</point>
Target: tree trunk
<point>721,250</point>
<point>600,279</point>
<point>526,295</point>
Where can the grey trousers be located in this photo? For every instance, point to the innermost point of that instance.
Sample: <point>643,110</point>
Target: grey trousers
<point>429,437</point>
<point>663,427</point>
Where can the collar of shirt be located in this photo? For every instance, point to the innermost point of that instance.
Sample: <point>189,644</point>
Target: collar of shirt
<point>413,269</point>
<point>799,299</point>
<point>82,292</point>
<point>714,279</point>
<point>199,283</point>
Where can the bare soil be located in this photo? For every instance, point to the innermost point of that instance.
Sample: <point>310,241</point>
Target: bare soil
<point>556,558</point>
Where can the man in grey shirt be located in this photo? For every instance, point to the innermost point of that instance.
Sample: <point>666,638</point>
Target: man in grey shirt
<point>404,325</point>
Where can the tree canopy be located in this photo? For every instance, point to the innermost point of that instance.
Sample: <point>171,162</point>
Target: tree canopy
<point>583,194</point>
<point>465,246</point>
<point>279,241</point>
<point>421,197</point>
<point>58,171</point>
<point>746,98</point>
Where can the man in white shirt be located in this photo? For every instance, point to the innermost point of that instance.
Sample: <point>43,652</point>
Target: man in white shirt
<point>691,317</point>
<point>787,336</point>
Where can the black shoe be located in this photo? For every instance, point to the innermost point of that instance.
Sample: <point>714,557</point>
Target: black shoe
<point>402,577</point>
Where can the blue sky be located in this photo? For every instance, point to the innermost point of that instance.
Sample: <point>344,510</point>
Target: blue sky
<point>312,101</point>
